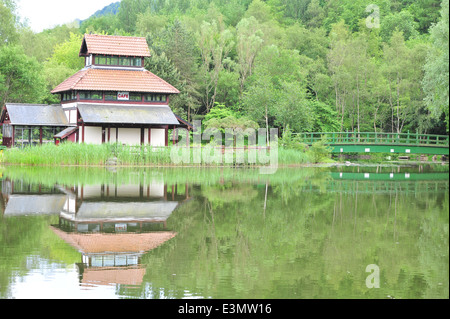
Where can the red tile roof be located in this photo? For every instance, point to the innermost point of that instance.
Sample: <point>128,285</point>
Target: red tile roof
<point>116,80</point>
<point>114,45</point>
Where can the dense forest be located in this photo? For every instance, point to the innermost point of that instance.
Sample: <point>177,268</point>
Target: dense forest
<point>310,65</point>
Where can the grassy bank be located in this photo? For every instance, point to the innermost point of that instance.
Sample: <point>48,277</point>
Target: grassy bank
<point>116,154</point>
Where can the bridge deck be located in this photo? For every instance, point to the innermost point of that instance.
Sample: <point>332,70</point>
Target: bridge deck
<point>374,142</point>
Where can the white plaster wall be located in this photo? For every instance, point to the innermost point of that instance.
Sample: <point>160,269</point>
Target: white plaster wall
<point>112,135</point>
<point>128,190</point>
<point>130,136</point>
<point>70,205</point>
<point>73,113</point>
<point>157,189</point>
<point>73,117</point>
<point>158,137</point>
<point>90,191</point>
<point>146,136</point>
<point>93,135</point>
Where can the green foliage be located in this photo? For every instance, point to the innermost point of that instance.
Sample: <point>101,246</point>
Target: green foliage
<point>67,53</point>
<point>290,141</point>
<point>307,64</point>
<point>20,77</point>
<point>320,151</point>
<point>435,81</point>
<point>221,117</point>
<point>8,31</point>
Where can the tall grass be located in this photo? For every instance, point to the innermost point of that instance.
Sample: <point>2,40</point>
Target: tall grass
<point>117,154</point>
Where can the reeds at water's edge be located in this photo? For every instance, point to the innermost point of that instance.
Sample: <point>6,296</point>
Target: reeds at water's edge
<point>117,154</point>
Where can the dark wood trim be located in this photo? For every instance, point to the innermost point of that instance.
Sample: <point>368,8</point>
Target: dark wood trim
<point>13,141</point>
<point>142,136</point>
<point>166,134</point>
<point>149,136</point>
<point>103,135</point>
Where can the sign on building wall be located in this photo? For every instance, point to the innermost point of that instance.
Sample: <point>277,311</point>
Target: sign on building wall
<point>123,96</point>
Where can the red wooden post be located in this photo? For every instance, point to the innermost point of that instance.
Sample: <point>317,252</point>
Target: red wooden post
<point>167,135</point>
<point>174,135</point>
<point>82,128</point>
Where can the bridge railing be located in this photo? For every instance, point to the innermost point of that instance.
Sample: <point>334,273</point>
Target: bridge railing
<point>375,138</point>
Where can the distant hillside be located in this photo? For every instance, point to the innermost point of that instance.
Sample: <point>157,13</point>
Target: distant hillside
<point>113,8</point>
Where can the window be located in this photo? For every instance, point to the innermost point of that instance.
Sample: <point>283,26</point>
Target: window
<point>155,98</point>
<point>124,61</point>
<point>91,95</point>
<point>111,96</point>
<point>135,97</point>
<point>68,96</point>
<point>101,59</point>
<point>114,60</point>
<point>137,62</point>
<point>7,130</point>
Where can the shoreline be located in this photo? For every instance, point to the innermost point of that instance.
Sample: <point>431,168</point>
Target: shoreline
<point>297,165</point>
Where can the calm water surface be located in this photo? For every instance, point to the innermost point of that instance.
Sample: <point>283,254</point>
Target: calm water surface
<point>224,233</point>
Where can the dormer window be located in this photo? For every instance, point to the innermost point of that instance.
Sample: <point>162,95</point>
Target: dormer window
<point>118,60</point>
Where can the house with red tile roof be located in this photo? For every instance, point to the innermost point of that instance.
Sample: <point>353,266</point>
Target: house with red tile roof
<point>113,99</point>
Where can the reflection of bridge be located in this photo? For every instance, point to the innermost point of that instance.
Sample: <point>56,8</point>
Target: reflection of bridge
<point>363,142</point>
<point>382,183</point>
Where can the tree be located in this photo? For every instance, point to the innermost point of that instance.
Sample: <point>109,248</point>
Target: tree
<point>8,33</point>
<point>175,42</point>
<point>249,42</point>
<point>292,108</point>
<point>20,77</point>
<point>215,43</point>
<point>314,14</point>
<point>259,100</point>
<point>401,21</point>
<point>128,13</point>
<point>435,82</point>
<point>67,53</point>
<point>396,70</point>
<point>108,23</point>
<point>339,38</point>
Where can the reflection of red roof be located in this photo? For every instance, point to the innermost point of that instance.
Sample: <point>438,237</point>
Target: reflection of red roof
<point>119,275</point>
<point>116,80</point>
<point>114,45</point>
<point>114,243</point>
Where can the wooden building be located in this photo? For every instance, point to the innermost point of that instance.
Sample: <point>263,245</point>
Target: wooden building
<point>112,99</point>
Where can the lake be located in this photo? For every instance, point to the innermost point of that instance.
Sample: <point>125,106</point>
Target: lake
<point>337,232</point>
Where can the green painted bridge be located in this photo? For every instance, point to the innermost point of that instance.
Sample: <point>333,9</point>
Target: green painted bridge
<point>374,142</point>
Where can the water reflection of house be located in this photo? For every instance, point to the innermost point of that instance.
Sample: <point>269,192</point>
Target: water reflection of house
<point>112,226</point>
<point>19,199</point>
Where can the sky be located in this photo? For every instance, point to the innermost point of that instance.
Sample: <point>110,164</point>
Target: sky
<point>45,14</point>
